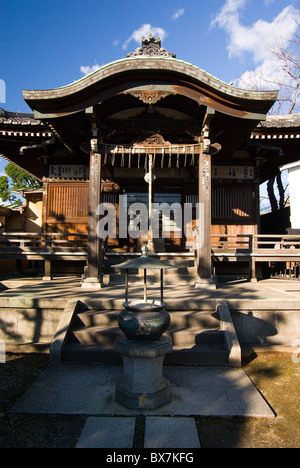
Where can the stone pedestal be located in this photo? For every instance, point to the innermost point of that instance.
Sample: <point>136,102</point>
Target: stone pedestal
<point>203,283</point>
<point>91,283</point>
<point>143,385</point>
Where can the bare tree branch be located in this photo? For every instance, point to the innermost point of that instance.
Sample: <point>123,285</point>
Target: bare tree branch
<point>281,71</point>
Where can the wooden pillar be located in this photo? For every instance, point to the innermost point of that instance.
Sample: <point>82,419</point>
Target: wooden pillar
<point>204,262</point>
<point>252,263</point>
<point>95,254</point>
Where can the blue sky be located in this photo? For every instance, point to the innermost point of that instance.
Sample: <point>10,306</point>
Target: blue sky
<point>48,44</point>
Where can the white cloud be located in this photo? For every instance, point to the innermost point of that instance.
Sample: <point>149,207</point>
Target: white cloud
<point>178,13</point>
<point>86,70</point>
<point>258,39</point>
<point>144,30</point>
<point>229,12</point>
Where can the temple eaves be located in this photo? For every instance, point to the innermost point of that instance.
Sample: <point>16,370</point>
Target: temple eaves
<point>183,79</point>
<point>151,47</point>
<point>58,102</point>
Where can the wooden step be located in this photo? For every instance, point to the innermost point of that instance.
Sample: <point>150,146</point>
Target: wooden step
<point>182,277</point>
<point>110,265</point>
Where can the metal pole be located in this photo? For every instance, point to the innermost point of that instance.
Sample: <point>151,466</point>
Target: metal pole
<point>162,286</point>
<point>126,288</point>
<point>145,285</point>
<point>150,231</point>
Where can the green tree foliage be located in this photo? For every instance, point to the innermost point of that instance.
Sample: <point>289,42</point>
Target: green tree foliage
<point>4,188</point>
<point>16,179</point>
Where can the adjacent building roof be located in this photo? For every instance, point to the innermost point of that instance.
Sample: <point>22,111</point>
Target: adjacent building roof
<point>20,131</point>
<point>281,121</point>
<point>15,118</point>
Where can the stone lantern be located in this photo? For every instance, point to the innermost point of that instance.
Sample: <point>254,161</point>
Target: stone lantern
<point>144,346</point>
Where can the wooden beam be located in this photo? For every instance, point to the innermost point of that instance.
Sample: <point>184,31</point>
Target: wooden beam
<point>204,238</point>
<point>210,113</point>
<point>95,255</point>
<point>204,261</point>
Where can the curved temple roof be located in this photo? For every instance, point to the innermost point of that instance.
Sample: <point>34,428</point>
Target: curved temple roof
<point>146,93</point>
<point>114,98</point>
<point>165,74</point>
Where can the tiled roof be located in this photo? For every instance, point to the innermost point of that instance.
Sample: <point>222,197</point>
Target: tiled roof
<point>16,118</point>
<point>278,127</point>
<point>281,121</point>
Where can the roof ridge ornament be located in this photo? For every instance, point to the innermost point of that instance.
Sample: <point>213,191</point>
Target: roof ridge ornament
<point>151,47</point>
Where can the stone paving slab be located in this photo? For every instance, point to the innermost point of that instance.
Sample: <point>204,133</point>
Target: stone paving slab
<point>106,432</point>
<point>172,433</point>
<point>160,432</point>
<point>195,391</point>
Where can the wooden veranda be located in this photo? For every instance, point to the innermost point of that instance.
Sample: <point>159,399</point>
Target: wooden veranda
<point>273,250</point>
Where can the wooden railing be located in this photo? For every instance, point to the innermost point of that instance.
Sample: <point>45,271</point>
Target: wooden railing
<point>265,246</point>
<point>256,248</point>
<point>47,247</point>
<point>31,244</point>
<point>269,246</point>
<point>44,247</point>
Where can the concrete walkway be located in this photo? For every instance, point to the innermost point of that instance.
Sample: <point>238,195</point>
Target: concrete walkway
<point>62,288</point>
<point>196,391</point>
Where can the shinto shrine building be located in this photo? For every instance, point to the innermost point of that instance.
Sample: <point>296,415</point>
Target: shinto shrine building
<point>151,124</point>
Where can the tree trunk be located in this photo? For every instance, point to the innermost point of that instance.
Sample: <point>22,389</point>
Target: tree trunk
<point>272,198</point>
<point>281,191</point>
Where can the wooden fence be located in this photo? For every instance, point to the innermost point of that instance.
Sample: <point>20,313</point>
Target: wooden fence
<point>272,249</point>
<point>47,247</point>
